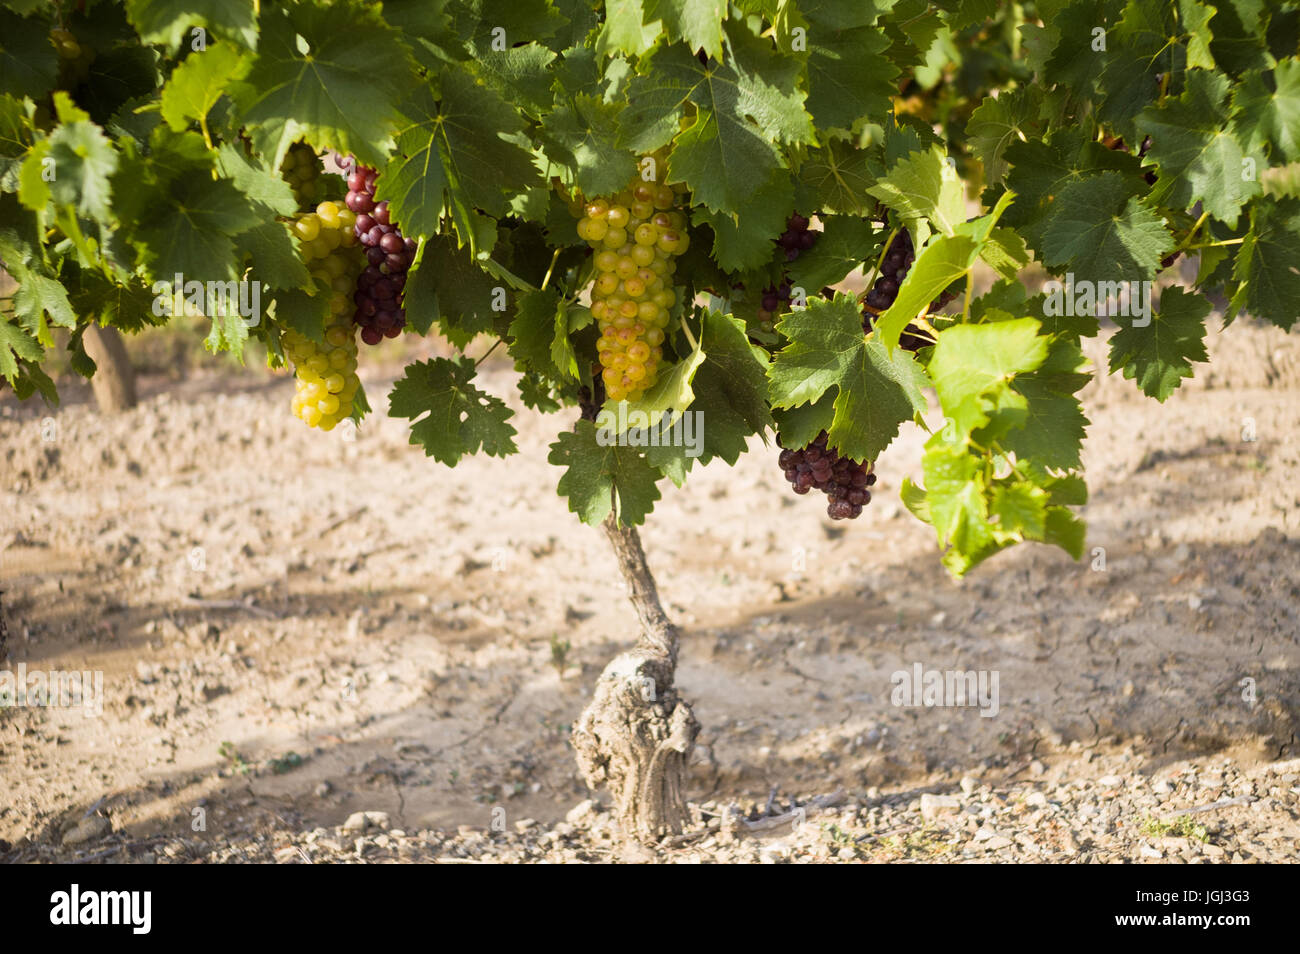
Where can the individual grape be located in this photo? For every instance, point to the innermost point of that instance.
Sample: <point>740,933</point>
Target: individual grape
<point>75,58</point>
<point>379,290</point>
<point>636,240</point>
<point>845,482</point>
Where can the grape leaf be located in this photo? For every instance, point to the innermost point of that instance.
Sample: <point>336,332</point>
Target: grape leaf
<point>744,240</point>
<point>698,22</point>
<point>1199,158</point>
<point>274,258</point>
<point>582,136</point>
<point>938,265</point>
<point>924,186</point>
<point>445,285</point>
<point>341,94</point>
<point>1101,232</point>
<point>849,79</point>
<point>1266,265</point>
<point>1159,355</point>
<point>457,147</point>
<point>461,419</point>
<point>837,252</point>
<point>518,73</point>
<point>730,387</point>
<point>259,184</point>
<point>38,296</point>
<point>625,29</point>
<point>28,63</point>
<point>996,123</point>
<point>877,391</point>
<point>72,167</point>
<point>600,477</point>
<point>199,81</point>
<point>168,22</point>
<point>1266,109</point>
<point>14,341</point>
<point>838,177</point>
<point>971,361</point>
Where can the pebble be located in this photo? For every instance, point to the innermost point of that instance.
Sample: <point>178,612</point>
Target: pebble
<point>363,821</point>
<point>933,806</point>
<point>87,830</point>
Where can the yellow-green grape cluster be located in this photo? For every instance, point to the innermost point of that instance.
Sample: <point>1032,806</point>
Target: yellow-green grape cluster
<point>301,169</point>
<point>637,236</point>
<point>74,58</point>
<point>326,374</point>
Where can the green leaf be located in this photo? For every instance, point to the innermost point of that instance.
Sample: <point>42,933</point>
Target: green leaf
<point>601,476</point>
<point>697,22</point>
<point>168,22</point>
<point>838,176</point>
<point>673,391</point>
<point>38,296</point>
<point>456,158</point>
<point>996,123</point>
<point>1199,158</point>
<point>341,94</point>
<point>533,333</point>
<point>80,163</point>
<point>827,349</point>
<point>924,186</point>
<point>259,184</point>
<point>446,285</point>
<point>971,361</point>
<point>1266,110</point>
<point>274,257</point>
<point>837,252</point>
<point>582,136</point>
<point>518,73</point>
<point>1266,265</point>
<point>1159,355</point>
<point>201,79</point>
<point>1019,509</point>
<point>14,341</point>
<point>450,417</point>
<point>1101,232</point>
<point>939,264</point>
<point>730,145</point>
<point>625,29</point>
<point>731,388</point>
<point>744,241</point>
<point>28,63</point>
<point>849,78</point>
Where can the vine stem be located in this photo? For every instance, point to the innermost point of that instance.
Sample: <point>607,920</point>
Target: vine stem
<point>1186,243</point>
<point>875,269</point>
<point>547,279</point>
<point>487,352</point>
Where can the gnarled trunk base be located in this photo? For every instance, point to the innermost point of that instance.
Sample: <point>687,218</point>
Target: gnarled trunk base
<point>114,380</point>
<point>637,734</point>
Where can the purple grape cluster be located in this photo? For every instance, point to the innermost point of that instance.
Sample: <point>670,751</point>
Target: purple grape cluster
<point>796,238</point>
<point>388,256</point>
<point>893,269</point>
<point>818,467</point>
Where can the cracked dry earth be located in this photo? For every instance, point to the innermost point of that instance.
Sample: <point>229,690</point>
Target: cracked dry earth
<point>316,650</point>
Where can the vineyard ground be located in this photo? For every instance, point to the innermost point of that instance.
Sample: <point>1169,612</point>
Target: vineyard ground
<point>397,656</point>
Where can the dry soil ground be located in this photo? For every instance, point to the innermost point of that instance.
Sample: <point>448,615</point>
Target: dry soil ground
<point>294,628</point>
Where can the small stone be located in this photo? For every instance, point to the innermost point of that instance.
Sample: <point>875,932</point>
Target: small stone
<point>968,784</point>
<point>1110,781</point>
<point>1036,800</point>
<point>363,821</point>
<point>88,829</point>
<point>932,806</point>
<point>1162,787</point>
<point>323,789</point>
<point>998,842</point>
<point>1194,602</point>
<point>287,855</point>
<point>1148,851</point>
<point>583,810</point>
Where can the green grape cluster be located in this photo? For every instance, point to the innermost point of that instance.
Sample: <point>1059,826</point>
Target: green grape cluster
<point>74,58</point>
<point>301,169</point>
<point>326,374</point>
<point>637,236</point>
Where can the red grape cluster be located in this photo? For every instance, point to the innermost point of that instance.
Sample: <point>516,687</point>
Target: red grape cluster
<point>893,269</point>
<point>388,256</point>
<point>796,238</point>
<point>842,479</point>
